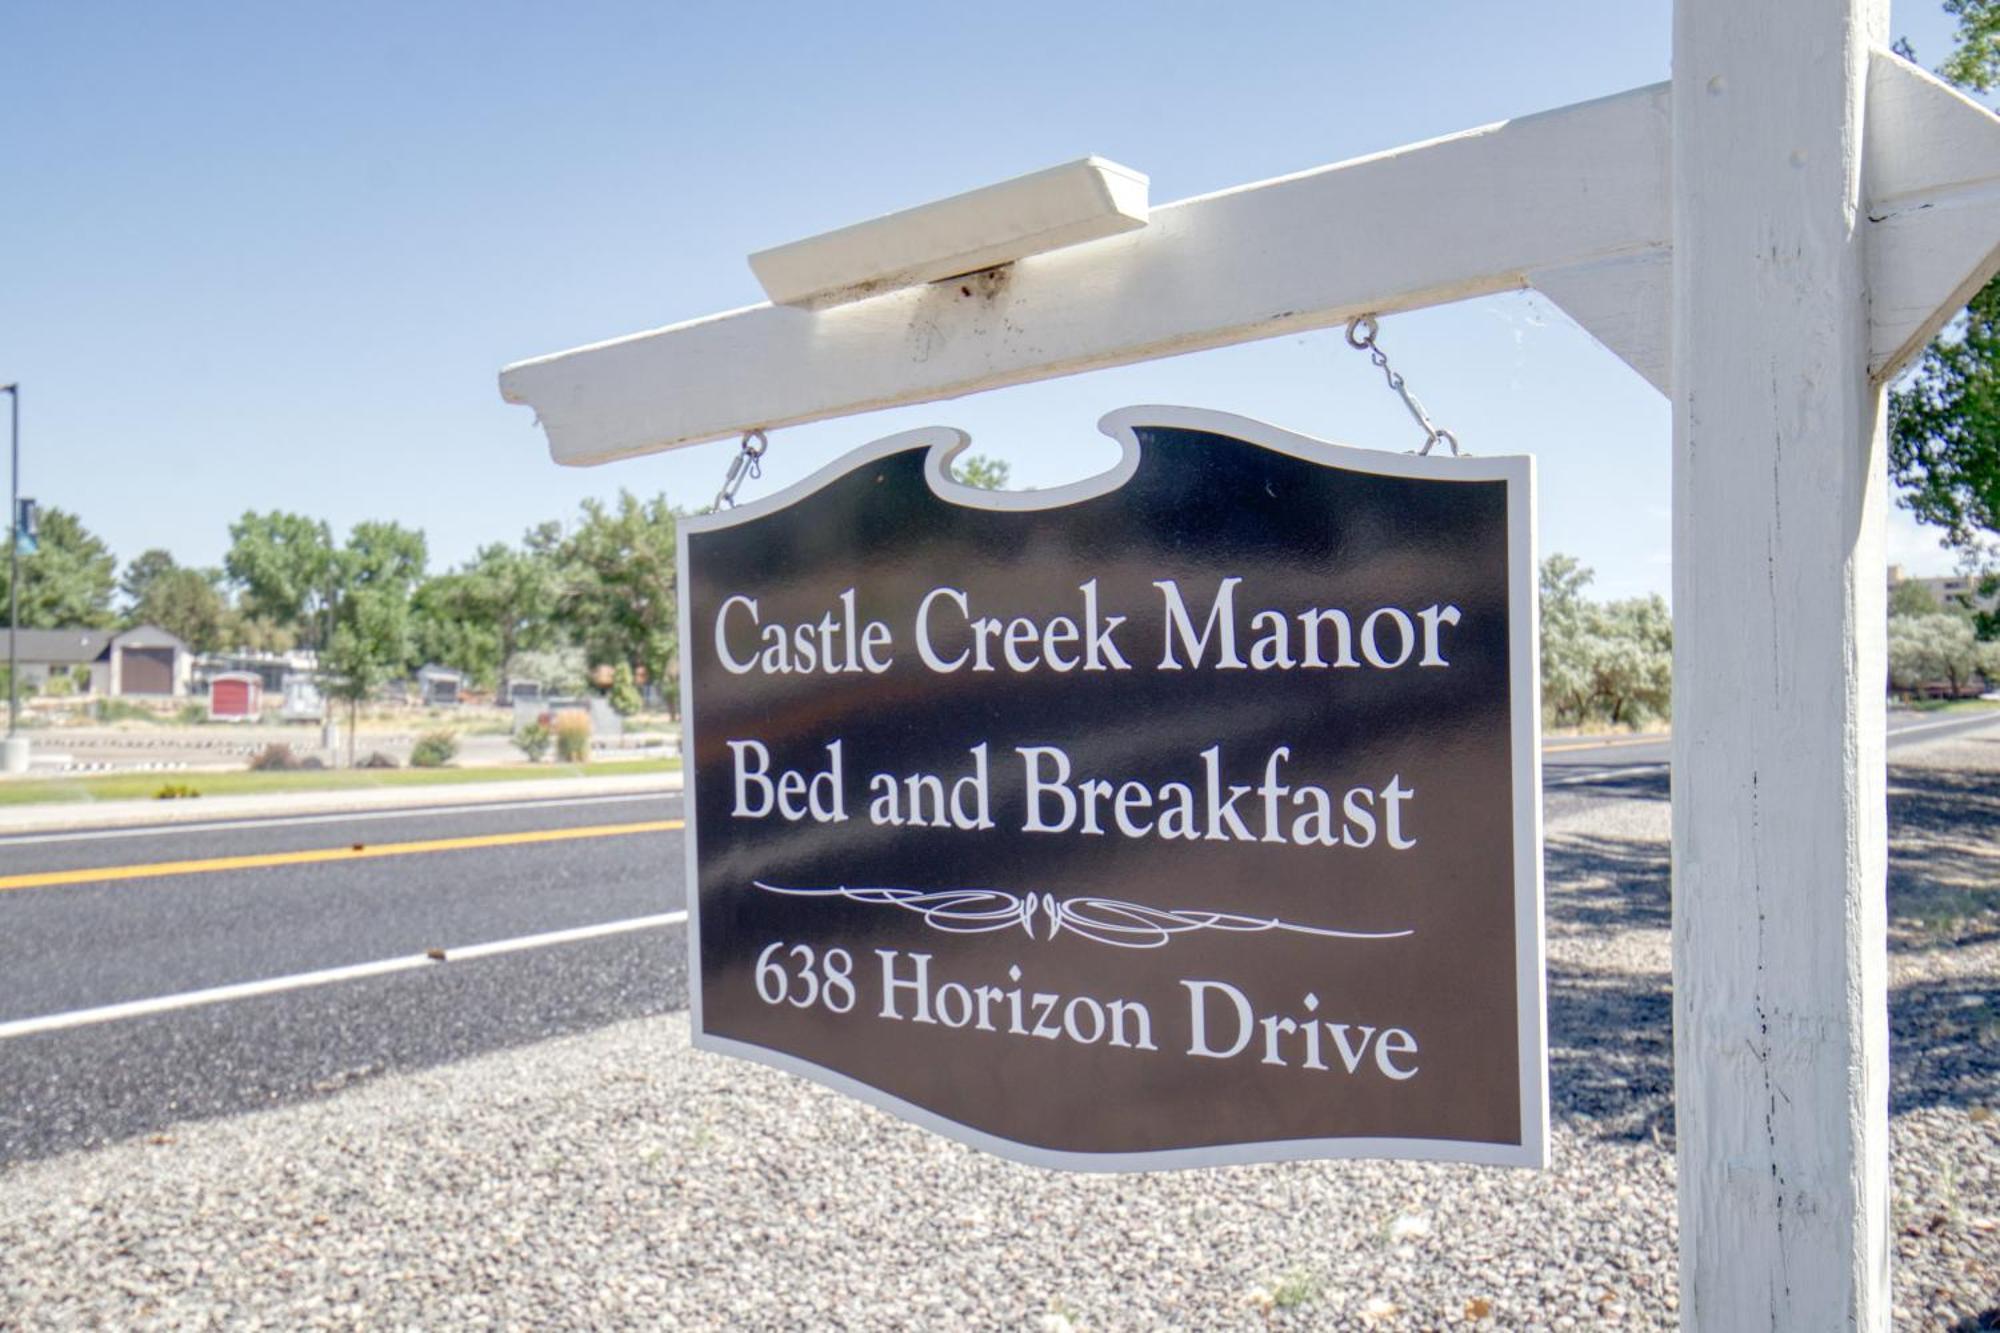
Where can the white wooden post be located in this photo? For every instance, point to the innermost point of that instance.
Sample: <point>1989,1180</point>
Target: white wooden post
<point>1780,1011</point>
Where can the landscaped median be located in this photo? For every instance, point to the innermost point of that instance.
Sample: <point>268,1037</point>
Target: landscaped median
<point>142,786</point>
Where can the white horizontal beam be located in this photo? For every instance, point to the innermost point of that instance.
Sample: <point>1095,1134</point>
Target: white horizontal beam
<point>1573,202</point>
<point>1457,217</point>
<point>999,224</point>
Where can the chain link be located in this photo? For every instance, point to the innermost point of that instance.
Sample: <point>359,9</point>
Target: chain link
<point>748,463</point>
<point>1361,337</point>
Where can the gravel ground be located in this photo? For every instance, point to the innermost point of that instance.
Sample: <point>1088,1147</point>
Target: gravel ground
<point>619,1179</point>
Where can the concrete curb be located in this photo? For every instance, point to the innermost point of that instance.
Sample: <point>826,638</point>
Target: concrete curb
<point>127,814</point>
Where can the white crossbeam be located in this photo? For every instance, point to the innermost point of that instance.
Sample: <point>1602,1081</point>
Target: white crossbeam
<point>1457,217</point>
<point>1572,202</point>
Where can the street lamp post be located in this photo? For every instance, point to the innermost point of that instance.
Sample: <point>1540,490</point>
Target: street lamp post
<point>14,750</point>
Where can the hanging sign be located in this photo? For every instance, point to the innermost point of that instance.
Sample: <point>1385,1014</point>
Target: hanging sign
<point>1187,815</point>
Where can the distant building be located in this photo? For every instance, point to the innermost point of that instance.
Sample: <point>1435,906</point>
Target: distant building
<point>236,696</point>
<point>271,669</point>
<point>142,661</point>
<point>1949,588</point>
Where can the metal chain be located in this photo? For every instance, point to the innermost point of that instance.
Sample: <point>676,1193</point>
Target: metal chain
<point>1361,337</point>
<point>747,463</point>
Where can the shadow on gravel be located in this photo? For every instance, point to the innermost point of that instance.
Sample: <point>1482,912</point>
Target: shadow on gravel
<point>1611,1029</point>
<point>1598,884</point>
<point>1948,883</point>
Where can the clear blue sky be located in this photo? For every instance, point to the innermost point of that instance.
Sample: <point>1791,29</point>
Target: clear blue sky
<point>263,256</point>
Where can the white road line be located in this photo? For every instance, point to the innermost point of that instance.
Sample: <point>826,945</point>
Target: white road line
<point>1960,721</point>
<point>336,817</point>
<point>1612,774</point>
<point>1605,775</point>
<point>244,990</point>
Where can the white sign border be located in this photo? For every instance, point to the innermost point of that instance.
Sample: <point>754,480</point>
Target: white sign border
<point>1524,651</point>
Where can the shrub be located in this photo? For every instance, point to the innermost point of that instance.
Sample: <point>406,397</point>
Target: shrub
<point>573,736</point>
<point>625,692</point>
<point>191,714</point>
<point>376,759</point>
<point>276,757</point>
<point>434,749</point>
<point>533,740</point>
<point>58,684</point>
<point>121,710</point>
<point>175,791</point>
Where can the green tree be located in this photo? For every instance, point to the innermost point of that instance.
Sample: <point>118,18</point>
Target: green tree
<point>1944,430</point>
<point>1633,676</point>
<point>617,593</point>
<point>183,602</point>
<point>1941,648</point>
<point>67,583</point>
<point>382,557</point>
<point>1944,424</point>
<point>559,671</point>
<point>244,631</point>
<point>625,691</point>
<point>1975,61</point>
<point>142,571</point>
<point>1567,667</point>
<point>515,592</point>
<point>369,645</point>
<point>286,566</point>
<point>988,474</point>
<point>1911,598</point>
<point>450,623</point>
<point>1602,662</point>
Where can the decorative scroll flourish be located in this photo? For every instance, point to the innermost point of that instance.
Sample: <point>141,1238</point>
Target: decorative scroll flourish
<point>1103,920</point>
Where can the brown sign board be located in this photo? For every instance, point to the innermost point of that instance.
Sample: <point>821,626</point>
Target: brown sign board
<point>1186,815</point>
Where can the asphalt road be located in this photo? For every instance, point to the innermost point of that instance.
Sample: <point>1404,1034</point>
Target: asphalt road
<point>75,946</point>
<point>94,919</point>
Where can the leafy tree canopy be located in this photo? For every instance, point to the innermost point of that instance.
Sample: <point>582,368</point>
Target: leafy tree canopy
<point>142,571</point>
<point>988,474</point>
<point>185,603</point>
<point>1602,662</point>
<point>67,583</point>
<point>1944,435</point>
<point>1975,62</point>
<point>617,593</point>
<point>285,565</point>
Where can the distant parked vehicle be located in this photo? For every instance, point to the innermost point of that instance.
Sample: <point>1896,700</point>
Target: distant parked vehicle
<point>437,685</point>
<point>303,701</point>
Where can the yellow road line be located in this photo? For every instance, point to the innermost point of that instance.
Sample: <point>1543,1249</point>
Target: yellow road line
<point>1594,744</point>
<point>355,852</point>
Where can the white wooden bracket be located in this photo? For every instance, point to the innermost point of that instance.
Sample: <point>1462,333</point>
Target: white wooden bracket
<point>1932,167</point>
<point>981,229</point>
<point>1573,202</point>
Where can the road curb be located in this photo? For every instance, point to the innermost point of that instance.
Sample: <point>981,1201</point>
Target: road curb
<point>127,814</point>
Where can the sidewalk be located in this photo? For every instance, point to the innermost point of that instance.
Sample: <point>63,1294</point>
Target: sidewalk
<point>125,814</point>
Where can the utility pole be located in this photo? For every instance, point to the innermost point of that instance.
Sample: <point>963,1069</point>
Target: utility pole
<point>14,752</point>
